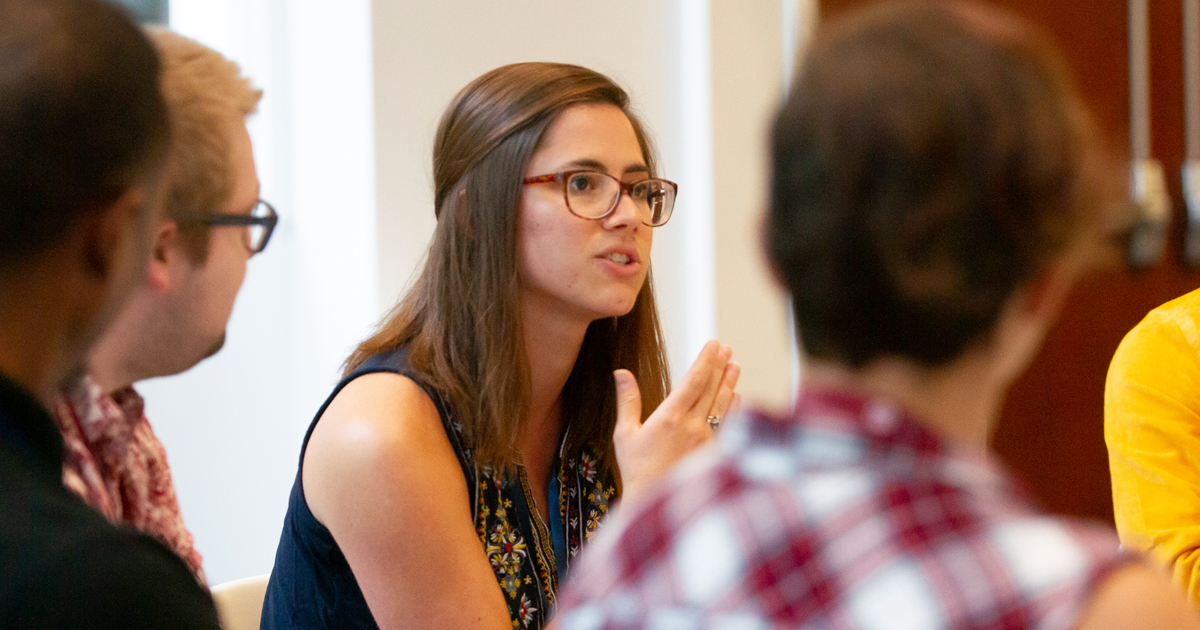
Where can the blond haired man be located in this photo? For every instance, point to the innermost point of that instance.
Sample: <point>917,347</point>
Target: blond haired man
<point>176,316</point>
<point>84,133</point>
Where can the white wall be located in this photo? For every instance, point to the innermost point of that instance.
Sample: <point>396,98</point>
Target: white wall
<point>343,143</point>
<point>232,425</point>
<point>748,78</point>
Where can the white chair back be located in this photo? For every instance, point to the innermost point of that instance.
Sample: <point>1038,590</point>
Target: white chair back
<point>239,603</point>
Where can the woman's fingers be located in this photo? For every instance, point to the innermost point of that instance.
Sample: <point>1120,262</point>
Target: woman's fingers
<point>629,402</point>
<point>646,451</point>
<point>736,405</point>
<point>716,375</point>
<point>723,402</point>
<point>689,390</point>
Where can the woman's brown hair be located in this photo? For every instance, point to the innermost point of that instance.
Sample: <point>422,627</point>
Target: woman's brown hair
<point>461,320</point>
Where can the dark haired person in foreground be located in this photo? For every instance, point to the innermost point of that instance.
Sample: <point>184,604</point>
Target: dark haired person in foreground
<point>934,197</point>
<point>83,135</point>
<point>176,315</point>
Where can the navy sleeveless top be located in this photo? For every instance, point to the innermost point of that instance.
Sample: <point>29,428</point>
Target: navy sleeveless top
<point>312,585</point>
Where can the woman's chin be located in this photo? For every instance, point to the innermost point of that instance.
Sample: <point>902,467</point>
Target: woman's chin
<point>615,310</point>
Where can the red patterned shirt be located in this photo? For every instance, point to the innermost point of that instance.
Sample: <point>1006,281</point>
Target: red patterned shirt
<point>115,463</point>
<point>846,515</point>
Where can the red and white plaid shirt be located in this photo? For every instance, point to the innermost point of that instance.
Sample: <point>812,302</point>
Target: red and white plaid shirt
<point>116,464</point>
<point>847,515</point>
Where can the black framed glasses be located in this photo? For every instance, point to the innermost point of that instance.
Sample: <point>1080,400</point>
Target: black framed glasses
<point>594,195</point>
<point>260,223</point>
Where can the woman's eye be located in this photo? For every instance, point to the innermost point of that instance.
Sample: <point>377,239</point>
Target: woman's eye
<point>581,183</point>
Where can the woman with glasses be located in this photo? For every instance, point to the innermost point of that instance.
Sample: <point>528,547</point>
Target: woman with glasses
<point>516,391</point>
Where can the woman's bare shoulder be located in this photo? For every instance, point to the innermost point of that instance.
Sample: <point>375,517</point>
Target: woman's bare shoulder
<point>379,436</point>
<point>381,475</point>
<point>381,408</point>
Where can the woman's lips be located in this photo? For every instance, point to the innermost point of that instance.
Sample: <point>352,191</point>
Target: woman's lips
<point>620,265</point>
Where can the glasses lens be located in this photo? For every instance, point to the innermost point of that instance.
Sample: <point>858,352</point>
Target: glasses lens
<point>257,232</point>
<point>655,198</point>
<point>591,195</point>
<point>260,233</point>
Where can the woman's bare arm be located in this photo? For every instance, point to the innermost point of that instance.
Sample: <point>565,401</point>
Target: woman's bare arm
<point>381,474</point>
<point>1138,597</point>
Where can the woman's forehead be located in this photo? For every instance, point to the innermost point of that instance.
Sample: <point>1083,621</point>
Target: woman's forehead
<point>597,136</point>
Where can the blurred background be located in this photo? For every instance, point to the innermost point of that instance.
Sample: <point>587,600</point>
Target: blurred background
<point>343,141</point>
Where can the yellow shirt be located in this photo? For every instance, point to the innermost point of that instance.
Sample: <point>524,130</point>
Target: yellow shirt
<point>1152,427</point>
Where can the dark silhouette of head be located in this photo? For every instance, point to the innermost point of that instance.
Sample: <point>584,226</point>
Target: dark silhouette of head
<point>930,159</point>
<point>81,117</point>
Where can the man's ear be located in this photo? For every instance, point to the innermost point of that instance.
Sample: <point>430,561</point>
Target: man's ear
<point>115,233</point>
<point>167,248</point>
<point>1045,295</point>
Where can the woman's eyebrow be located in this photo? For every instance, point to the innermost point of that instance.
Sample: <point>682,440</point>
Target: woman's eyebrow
<point>596,165</point>
<point>586,163</point>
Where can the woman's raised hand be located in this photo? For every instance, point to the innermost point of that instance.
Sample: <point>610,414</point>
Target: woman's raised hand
<point>645,450</point>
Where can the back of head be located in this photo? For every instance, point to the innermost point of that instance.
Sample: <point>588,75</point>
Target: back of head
<point>207,99</point>
<point>930,159</point>
<point>81,117</point>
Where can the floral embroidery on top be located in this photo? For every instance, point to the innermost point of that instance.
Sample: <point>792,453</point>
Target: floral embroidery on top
<point>588,495</point>
<point>506,552</point>
<point>524,613</point>
<point>519,546</point>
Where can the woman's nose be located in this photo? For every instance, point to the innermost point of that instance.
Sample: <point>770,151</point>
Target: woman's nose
<point>625,214</point>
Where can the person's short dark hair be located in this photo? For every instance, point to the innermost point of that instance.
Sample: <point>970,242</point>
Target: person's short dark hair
<point>929,160</point>
<point>81,117</point>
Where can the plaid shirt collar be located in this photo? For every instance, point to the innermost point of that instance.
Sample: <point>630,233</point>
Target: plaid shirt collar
<point>840,427</point>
